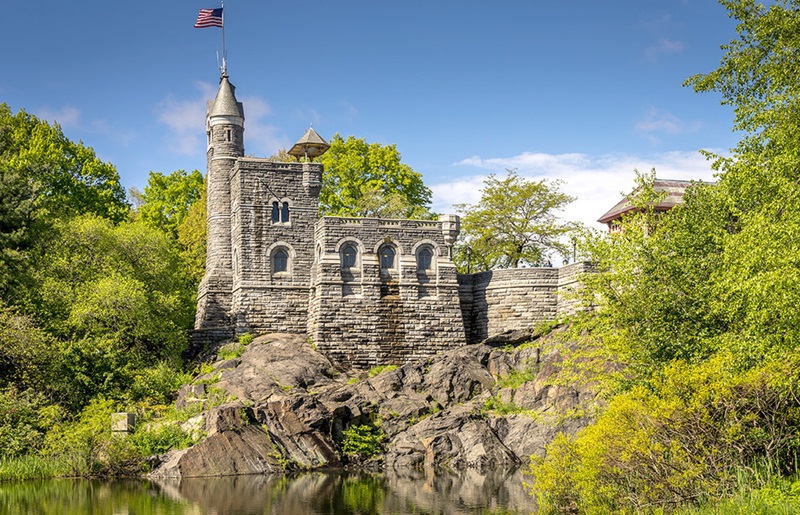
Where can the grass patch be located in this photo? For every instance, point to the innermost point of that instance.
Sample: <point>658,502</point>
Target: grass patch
<point>235,349</point>
<point>381,368</point>
<point>515,378</point>
<point>26,468</point>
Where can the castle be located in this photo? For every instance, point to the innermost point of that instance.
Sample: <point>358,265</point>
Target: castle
<point>366,291</point>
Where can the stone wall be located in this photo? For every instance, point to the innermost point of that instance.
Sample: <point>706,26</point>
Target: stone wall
<point>264,299</point>
<point>496,301</point>
<point>366,315</point>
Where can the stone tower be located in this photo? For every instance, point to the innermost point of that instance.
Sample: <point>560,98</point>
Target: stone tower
<point>225,132</point>
<point>275,207</point>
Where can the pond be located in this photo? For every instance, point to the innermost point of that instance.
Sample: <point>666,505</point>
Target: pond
<point>329,493</point>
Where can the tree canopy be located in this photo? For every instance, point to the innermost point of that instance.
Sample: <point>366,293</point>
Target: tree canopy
<point>702,310</point>
<point>515,219</point>
<point>166,199</point>
<point>370,180</point>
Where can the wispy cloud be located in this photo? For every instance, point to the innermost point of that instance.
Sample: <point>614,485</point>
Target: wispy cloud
<point>596,181</point>
<point>657,121</point>
<point>66,116</point>
<point>663,47</point>
<point>186,119</point>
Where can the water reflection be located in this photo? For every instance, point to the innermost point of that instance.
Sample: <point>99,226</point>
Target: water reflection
<point>339,493</point>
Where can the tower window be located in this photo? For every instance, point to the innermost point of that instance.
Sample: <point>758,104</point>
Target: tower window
<point>276,213</point>
<point>424,258</point>
<point>387,255</point>
<point>349,256</point>
<point>228,135</point>
<point>280,261</point>
<point>285,212</point>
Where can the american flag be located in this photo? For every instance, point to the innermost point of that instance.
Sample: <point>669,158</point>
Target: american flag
<point>209,18</point>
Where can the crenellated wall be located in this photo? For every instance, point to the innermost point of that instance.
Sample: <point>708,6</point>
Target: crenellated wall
<point>366,315</point>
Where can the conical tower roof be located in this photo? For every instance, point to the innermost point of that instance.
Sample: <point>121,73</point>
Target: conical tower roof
<point>310,145</point>
<point>225,103</point>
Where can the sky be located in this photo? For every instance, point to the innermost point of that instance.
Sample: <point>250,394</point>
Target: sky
<point>583,92</point>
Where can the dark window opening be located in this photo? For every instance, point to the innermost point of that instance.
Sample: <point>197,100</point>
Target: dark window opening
<point>276,216</point>
<point>285,212</point>
<point>387,255</point>
<point>349,256</point>
<point>280,261</point>
<point>424,259</point>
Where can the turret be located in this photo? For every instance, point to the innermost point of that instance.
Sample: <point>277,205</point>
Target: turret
<point>225,132</point>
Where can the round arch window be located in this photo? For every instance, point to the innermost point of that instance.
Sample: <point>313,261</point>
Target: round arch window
<point>280,261</point>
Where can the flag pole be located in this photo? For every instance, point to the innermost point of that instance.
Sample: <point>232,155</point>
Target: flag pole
<point>224,55</point>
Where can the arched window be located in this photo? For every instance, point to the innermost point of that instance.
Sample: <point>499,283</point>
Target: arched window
<point>349,255</point>
<point>285,212</point>
<point>387,255</point>
<point>280,261</point>
<point>276,213</point>
<point>424,259</point>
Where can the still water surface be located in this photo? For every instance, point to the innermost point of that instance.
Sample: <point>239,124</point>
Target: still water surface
<point>329,493</point>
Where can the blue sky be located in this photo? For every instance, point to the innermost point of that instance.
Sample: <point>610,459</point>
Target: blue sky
<point>580,91</point>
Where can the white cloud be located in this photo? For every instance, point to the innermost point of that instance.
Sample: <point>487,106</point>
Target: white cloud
<point>664,46</point>
<point>67,116</point>
<point>657,121</point>
<point>186,120</point>
<point>597,182</point>
<point>261,138</point>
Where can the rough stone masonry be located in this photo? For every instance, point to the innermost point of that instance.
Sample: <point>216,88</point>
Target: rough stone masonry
<point>366,291</point>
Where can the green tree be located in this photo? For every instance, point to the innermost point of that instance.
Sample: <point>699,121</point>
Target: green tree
<point>69,176</point>
<point>703,309</point>
<point>116,298</point>
<point>167,199</point>
<point>192,237</point>
<point>515,219</point>
<point>369,179</point>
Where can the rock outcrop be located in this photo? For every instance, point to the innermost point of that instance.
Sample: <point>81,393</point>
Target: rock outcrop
<point>281,405</point>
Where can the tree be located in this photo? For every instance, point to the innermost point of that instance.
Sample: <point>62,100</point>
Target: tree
<point>44,177</point>
<point>369,180</point>
<point>167,198</point>
<point>68,176</point>
<point>514,220</point>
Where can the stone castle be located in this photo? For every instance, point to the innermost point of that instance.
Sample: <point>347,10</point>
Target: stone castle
<point>366,291</point>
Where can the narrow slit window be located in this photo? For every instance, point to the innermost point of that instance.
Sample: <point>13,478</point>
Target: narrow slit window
<point>276,215</point>
<point>285,212</point>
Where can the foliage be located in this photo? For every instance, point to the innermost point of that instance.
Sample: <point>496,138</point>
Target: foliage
<point>44,177</point>
<point>679,441</point>
<point>369,179</point>
<point>167,199</point>
<point>235,349</point>
<point>700,306</point>
<point>68,175</point>
<point>192,237</point>
<point>380,368</point>
<point>514,220</point>
<point>114,300</point>
<point>363,441</point>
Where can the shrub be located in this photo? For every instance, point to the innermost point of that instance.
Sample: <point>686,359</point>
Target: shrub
<point>363,441</point>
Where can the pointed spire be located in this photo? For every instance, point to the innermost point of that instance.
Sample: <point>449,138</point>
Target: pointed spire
<point>310,145</point>
<point>225,103</point>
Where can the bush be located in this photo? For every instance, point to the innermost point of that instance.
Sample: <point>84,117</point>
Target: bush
<point>681,440</point>
<point>363,441</point>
